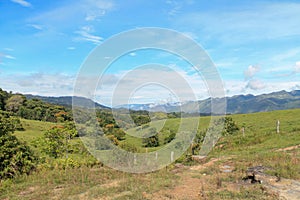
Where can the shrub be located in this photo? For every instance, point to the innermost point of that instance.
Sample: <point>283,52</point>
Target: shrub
<point>230,126</point>
<point>151,138</point>
<point>55,141</point>
<point>15,157</point>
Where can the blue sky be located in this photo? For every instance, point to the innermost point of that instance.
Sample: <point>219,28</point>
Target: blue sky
<point>254,44</point>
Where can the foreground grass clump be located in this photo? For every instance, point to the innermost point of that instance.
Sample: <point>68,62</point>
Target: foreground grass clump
<point>85,182</point>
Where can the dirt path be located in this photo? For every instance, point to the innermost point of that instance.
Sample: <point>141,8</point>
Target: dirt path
<point>289,148</point>
<point>199,181</point>
<point>286,188</point>
<point>192,183</point>
<point>195,183</point>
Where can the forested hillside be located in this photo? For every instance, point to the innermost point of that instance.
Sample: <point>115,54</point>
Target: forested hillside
<point>34,109</point>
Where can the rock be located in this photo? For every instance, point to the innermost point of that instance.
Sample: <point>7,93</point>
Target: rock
<point>256,175</point>
<point>179,165</point>
<point>226,169</point>
<point>198,158</point>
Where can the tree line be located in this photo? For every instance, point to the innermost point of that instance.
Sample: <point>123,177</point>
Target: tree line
<point>33,109</point>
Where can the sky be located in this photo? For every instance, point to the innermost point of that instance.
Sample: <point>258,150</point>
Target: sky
<point>254,45</point>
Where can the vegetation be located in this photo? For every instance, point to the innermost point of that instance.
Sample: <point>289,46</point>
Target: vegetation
<point>15,157</point>
<point>55,141</point>
<point>140,117</point>
<point>60,167</point>
<point>18,105</point>
<point>151,138</point>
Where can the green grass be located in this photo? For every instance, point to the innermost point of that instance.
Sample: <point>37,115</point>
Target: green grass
<point>164,129</point>
<point>33,130</point>
<point>257,147</point>
<point>86,183</point>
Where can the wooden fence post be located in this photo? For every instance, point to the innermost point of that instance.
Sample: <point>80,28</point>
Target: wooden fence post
<point>134,159</point>
<point>172,156</point>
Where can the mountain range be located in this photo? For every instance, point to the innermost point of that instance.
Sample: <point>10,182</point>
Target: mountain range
<point>236,104</point>
<point>67,101</point>
<point>281,100</point>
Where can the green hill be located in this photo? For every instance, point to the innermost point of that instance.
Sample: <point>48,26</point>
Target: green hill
<point>260,145</point>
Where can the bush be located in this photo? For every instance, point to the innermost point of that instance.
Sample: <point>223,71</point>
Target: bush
<point>230,126</point>
<point>170,137</point>
<point>15,157</point>
<point>129,147</point>
<point>151,138</point>
<point>55,141</point>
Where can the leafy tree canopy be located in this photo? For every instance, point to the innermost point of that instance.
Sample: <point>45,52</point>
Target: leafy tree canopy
<point>15,157</point>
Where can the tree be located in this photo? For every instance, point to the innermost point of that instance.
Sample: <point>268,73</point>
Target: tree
<point>198,140</point>
<point>3,97</point>
<point>140,117</point>
<point>14,103</point>
<point>221,126</point>
<point>151,138</point>
<point>230,126</point>
<point>55,141</point>
<point>113,139</point>
<point>171,136</point>
<point>15,157</point>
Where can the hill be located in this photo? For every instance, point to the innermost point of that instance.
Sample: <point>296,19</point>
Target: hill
<point>281,100</point>
<point>249,103</point>
<point>67,101</point>
<point>219,176</point>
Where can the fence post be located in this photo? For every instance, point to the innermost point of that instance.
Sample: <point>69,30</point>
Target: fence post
<point>172,156</point>
<point>134,159</point>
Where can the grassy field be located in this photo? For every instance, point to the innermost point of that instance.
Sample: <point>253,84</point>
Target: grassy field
<point>33,130</point>
<point>260,145</point>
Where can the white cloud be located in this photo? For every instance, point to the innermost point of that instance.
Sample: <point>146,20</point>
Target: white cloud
<point>22,3</point>
<point>132,54</point>
<point>234,87</point>
<point>255,84</point>
<point>251,71</point>
<point>151,85</point>
<point>286,55</point>
<point>287,70</point>
<point>296,87</point>
<point>39,83</point>
<point>9,57</point>
<point>36,26</point>
<point>101,4</point>
<point>175,7</point>
<point>6,56</point>
<point>88,28</point>
<point>86,35</point>
<point>297,67</point>
<point>69,15</point>
<point>108,79</point>
<point>71,48</point>
<point>96,9</point>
